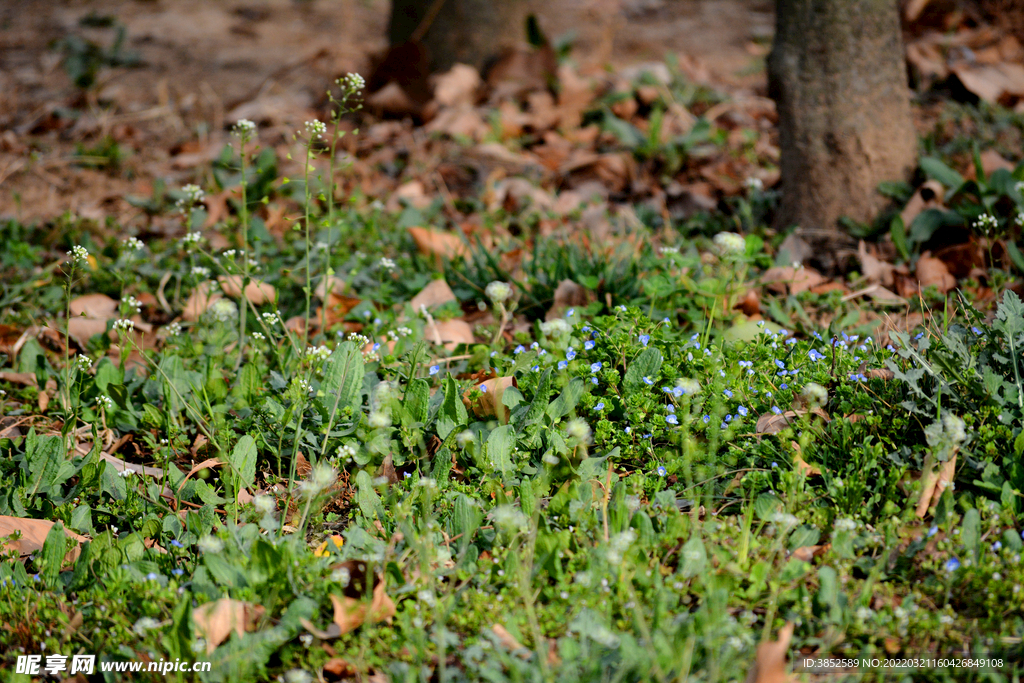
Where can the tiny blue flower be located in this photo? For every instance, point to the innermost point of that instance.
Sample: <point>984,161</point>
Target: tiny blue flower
<point>628,429</point>
<point>377,321</point>
<point>622,308</point>
<point>742,410</point>
<point>996,546</point>
<point>595,367</point>
<point>952,564</point>
<point>745,363</point>
<point>434,369</point>
<point>647,436</point>
<point>672,419</point>
<point>776,410</point>
<point>670,408</point>
<point>791,340</point>
<point>562,365</point>
<point>723,425</point>
<point>976,331</point>
<point>36,577</point>
<point>780,364</point>
<point>728,393</point>
<point>774,465</point>
<point>918,336</point>
<point>534,346</point>
<point>648,381</point>
<point>783,386</point>
<point>593,380</point>
<point>570,313</point>
<point>570,353</point>
<point>535,368</point>
<point>814,355</point>
<point>519,349</point>
<point>176,543</point>
<point>661,471</point>
<point>666,321</point>
<point>768,394</point>
<point>934,530</point>
<point>151,576</point>
<point>706,418</point>
<point>728,418</point>
<point>599,406</point>
<point>177,572</point>
<point>483,388</point>
<point>493,354</point>
<point>644,338</point>
<point>588,345</point>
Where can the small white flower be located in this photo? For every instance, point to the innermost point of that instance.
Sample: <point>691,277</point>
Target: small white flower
<point>105,402</point>
<point>297,676</point>
<point>174,329</point>
<point>244,129</point>
<point>814,394</point>
<point>669,250</point>
<point>145,624</point>
<point>190,240</point>
<point>264,504</point>
<point>315,129</point>
<point>271,318</point>
<point>578,429</point>
<point>318,353</point>
<point>201,272</point>
<point>730,244</point>
<point>346,452</point>
<point>864,613</point>
<point>785,519</point>
<point>555,328</point>
<point>845,525</point>
<point>352,83</point>
<point>133,304</point>
<point>258,336</point>
<point>320,478</point>
<point>83,363</point>
<point>223,310</point>
<point>126,473</point>
<point>210,544</point>
<point>79,254</point>
<point>386,264</point>
<point>754,184</point>
<point>379,419</point>
<point>341,576</point>
<point>498,291</point>
<point>986,223</point>
<point>302,385</point>
<point>133,244</point>
<point>124,325</point>
<point>306,639</point>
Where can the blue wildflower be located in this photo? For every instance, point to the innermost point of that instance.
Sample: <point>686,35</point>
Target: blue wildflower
<point>728,394</point>
<point>562,365</point>
<point>728,418</point>
<point>628,429</point>
<point>783,386</point>
<point>934,530</point>
<point>535,368</point>
<point>644,338</point>
<point>774,465</point>
<point>776,410</point>
<point>706,418</point>
<point>779,364</point>
<point>742,410</point>
<point>745,363</point>
<point>151,576</point>
<point>570,313</point>
<point>595,367</point>
<point>976,331</point>
<point>996,546</point>
<point>670,408</point>
<point>815,355</point>
<point>593,380</point>
<point>599,406</point>
<point>177,572</point>
<point>661,471</point>
<point>952,564</point>
<point>176,543</point>
<point>570,353</point>
<point>483,388</point>
<point>519,349</point>
<point>588,345</point>
<point>648,381</point>
<point>791,340</point>
<point>672,419</point>
<point>434,369</point>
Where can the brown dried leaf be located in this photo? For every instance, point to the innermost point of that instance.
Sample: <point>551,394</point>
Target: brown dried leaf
<point>441,245</point>
<point>435,294</point>
<point>27,379</point>
<point>807,553</point>
<point>350,613</point>
<point>33,535</point>
<point>489,404</point>
<point>932,271</point>
<point>874,269</point>
<point>457,87</point>
<point>216,620</point>
<point>509,642</point>
<point>934,480</point>
<point>258,293</point>
<point>991,82</point>
<point>770,662</point>
<point>928,196</point>
<point>795,280</point>
<point>451,333</point>
<point>99,306</point>
<point>199,301</point>
<point>567,295</point>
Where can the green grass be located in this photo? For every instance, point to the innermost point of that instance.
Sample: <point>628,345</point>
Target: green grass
<point>627,520</point>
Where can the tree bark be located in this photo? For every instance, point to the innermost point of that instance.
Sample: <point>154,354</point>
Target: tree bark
<point>838,76</point>
<point>466,31</point>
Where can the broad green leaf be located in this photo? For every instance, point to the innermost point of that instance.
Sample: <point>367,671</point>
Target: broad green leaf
<point>898,232</point>
<point>500,445</point>
<point>243,461</point>
<point>343,377</point>
<point>452,413</point>
<point>567,400</point>
<point>971,533</point>
<point>366,497</point>
<point>417,399</point>
<point>930,220</point>
<point>934,168</point>
<point>647,364</point>
<point>54,549</point>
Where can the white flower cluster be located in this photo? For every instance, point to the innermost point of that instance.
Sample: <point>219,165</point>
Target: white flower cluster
<point>346,452</point>
<point>174,329</point>
<point>190,240</point>
<point>754,184</point>
<point>132,304</point>
<point>359,339</point>
<point>271,318</point>
<point>318,353</point>
<point>223,310</point>
<point>201,272</point>
<point>209,545</point>
<point>105,402</point>
<point>79,254</point>
<point>315,129</point>
<point>814,394</point>
<point>83,363</point>
<point>401,332</point>
<point>244,129</point>
<point>193,195</point>
<point>302,385</point>
<point>258,336</point>
<point>986,223</point>
<point>845,524</point>
<point>320,478</point>
<point>579,430</point>
<point>133,244</point>
<point>124,325</point>
<point>555,328</point>
<point>352,83</point>
<point>730,244</point>
<point>498,291</point>
<point>386,264</point>
<point>669,250</point>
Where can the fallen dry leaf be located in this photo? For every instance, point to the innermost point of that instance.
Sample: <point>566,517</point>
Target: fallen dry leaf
<point>935,478</point>
<point>567,295</point>
<point>770,661</point>
<point>99,306</point>
<point>795,280</point>
<point>509,642</point>
<point>351,613</point>
<point>33,536</point>
<point>201,299</point>
<point>257,292</point>
<point>489,404</point>
<point>807,553</point>
<point>456,87</point>
<point>216,620</point>
<point>84,329</point>
<point>27,379</point>
<point>873,268</point>
<point>932,271</point>
<point>435,294</point>
<point>451,333</point>
<point>440,245</point>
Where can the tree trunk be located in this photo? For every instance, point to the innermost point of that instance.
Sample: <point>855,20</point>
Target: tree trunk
<point>838,76</point>
<point>466,31</point>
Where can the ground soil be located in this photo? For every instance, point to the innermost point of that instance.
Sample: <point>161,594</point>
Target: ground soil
<point>204,63</point>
